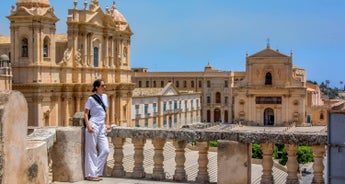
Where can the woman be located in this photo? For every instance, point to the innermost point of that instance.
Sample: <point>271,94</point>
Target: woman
<point>96,142</point>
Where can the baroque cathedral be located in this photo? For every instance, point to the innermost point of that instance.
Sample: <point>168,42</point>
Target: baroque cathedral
<point>55,72</point>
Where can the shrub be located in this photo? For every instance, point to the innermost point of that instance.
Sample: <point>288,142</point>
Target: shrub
<point>304,154</point>
<point>256,151</point>
<point>213,143</point>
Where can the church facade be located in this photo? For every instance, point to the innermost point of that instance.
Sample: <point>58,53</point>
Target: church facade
<point>55,72</point>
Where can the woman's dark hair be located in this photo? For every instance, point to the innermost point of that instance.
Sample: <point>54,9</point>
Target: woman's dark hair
<point>97,83</point>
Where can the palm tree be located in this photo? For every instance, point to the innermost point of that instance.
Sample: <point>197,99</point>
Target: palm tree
<point>341,84</point>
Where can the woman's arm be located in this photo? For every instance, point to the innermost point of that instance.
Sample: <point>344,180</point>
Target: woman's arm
<point>86,117</point>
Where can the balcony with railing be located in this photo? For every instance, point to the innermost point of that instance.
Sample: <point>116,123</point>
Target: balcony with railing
<point>234,144</point>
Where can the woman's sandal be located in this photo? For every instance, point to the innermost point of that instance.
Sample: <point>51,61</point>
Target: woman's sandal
<point>93,179</point>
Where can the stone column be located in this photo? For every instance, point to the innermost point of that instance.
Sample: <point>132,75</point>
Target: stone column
<point>318,167</point>
<point>112,110</point>
<point>118,170</point>
<point>203,176</point>
<point>180,159</point>
<point>267,163</point>
<point>158,159</point>
<point>138,170</point>
<point>292,164</point>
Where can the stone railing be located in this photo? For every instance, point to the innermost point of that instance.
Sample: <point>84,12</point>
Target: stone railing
<point>234,152</point>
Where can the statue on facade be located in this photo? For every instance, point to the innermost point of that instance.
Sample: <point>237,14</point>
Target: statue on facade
<point>66,56</point>
<point>77,58</point>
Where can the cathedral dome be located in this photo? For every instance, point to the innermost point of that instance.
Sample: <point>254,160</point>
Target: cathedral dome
<point>33,3</point>
<point>118,17</point>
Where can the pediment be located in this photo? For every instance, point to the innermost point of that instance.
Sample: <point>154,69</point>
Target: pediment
<point>97,18</point>
<point>268,53</point>
<point>169,90</point>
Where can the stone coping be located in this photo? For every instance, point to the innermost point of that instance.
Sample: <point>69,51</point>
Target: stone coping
<point>240,135</point>
<point>47,135</point>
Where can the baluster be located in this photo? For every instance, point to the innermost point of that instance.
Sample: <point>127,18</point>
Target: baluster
<point>292,164</point>
<point>267,163</point>
<point>180,159</point>
<point>318,153</point>
<point>118,169</point>
<point>158,158</point>
<point>203,176</point>
<point>138,170</point>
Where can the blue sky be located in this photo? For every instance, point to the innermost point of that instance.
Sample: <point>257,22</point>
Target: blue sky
<point>185,35</point>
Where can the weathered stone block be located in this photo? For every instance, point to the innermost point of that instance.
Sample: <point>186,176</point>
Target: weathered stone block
<point>37,170</point>
<point>68,154</point>
<point>13,130</point>
<point>234,162</point>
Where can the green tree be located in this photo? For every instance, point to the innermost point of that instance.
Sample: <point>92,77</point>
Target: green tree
<point>256,151</point>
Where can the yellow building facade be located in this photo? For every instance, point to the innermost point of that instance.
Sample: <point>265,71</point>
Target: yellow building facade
<point>55,72</point>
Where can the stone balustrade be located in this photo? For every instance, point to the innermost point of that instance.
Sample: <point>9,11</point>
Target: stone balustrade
<point>237,139</point>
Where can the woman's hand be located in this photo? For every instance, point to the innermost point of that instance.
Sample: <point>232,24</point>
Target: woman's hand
<point>89,129</point>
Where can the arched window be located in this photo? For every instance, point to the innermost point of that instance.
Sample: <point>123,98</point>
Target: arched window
<point>268,78</point>
<point>218,97</point>
<point>25,47</point>
<point>46,44</point>
<point>95,56</point>
<point>321,116</point>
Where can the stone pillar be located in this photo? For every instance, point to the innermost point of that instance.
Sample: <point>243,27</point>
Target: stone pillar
<point>158,159</point>
<point>13,131</point>
<point>234,162</point>
<point>138,170</point>
<point>292,164</point>
<point>118,169</point>
<point>203,176</point>
<point>180,159</point>
<point>112,110</point>
<point>68,154</point>
<point>267,163</point>
<point>318,167</point>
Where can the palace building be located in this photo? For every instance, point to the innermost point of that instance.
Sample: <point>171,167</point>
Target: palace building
<point>271,92</point>
<point>55,72</point>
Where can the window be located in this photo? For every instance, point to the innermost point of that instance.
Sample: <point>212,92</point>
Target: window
<point>137,109</point>
<point>177,84</point>
<point>226,99</point>
<point>140,85</point>
<point>164,123</point>
<point>147,84</point>
<point>146,109</point>
<point>268,79</point>
<point>164,106</point>
<point>192,84</point>
<point>154,124</point>
<point>146,123</point>
<point>154,84</point>
<point>218,97</point>
<point>175,104</point>
<point>95,56</point>
<point>226,83</point>
<point>191,104</point>
<point>208,84</point>
<point>154,108</point>
<point>46,47</point>
<point>185,84</point>
<point>197,103</point>
<point>208,99</point>
<point>321,116</point>
<point>162,84</point>
<point>200,84</point>
<point>25,47</point>
<point>186,105</point>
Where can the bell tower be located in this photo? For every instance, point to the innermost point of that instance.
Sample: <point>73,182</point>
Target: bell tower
<point>32,40</point>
